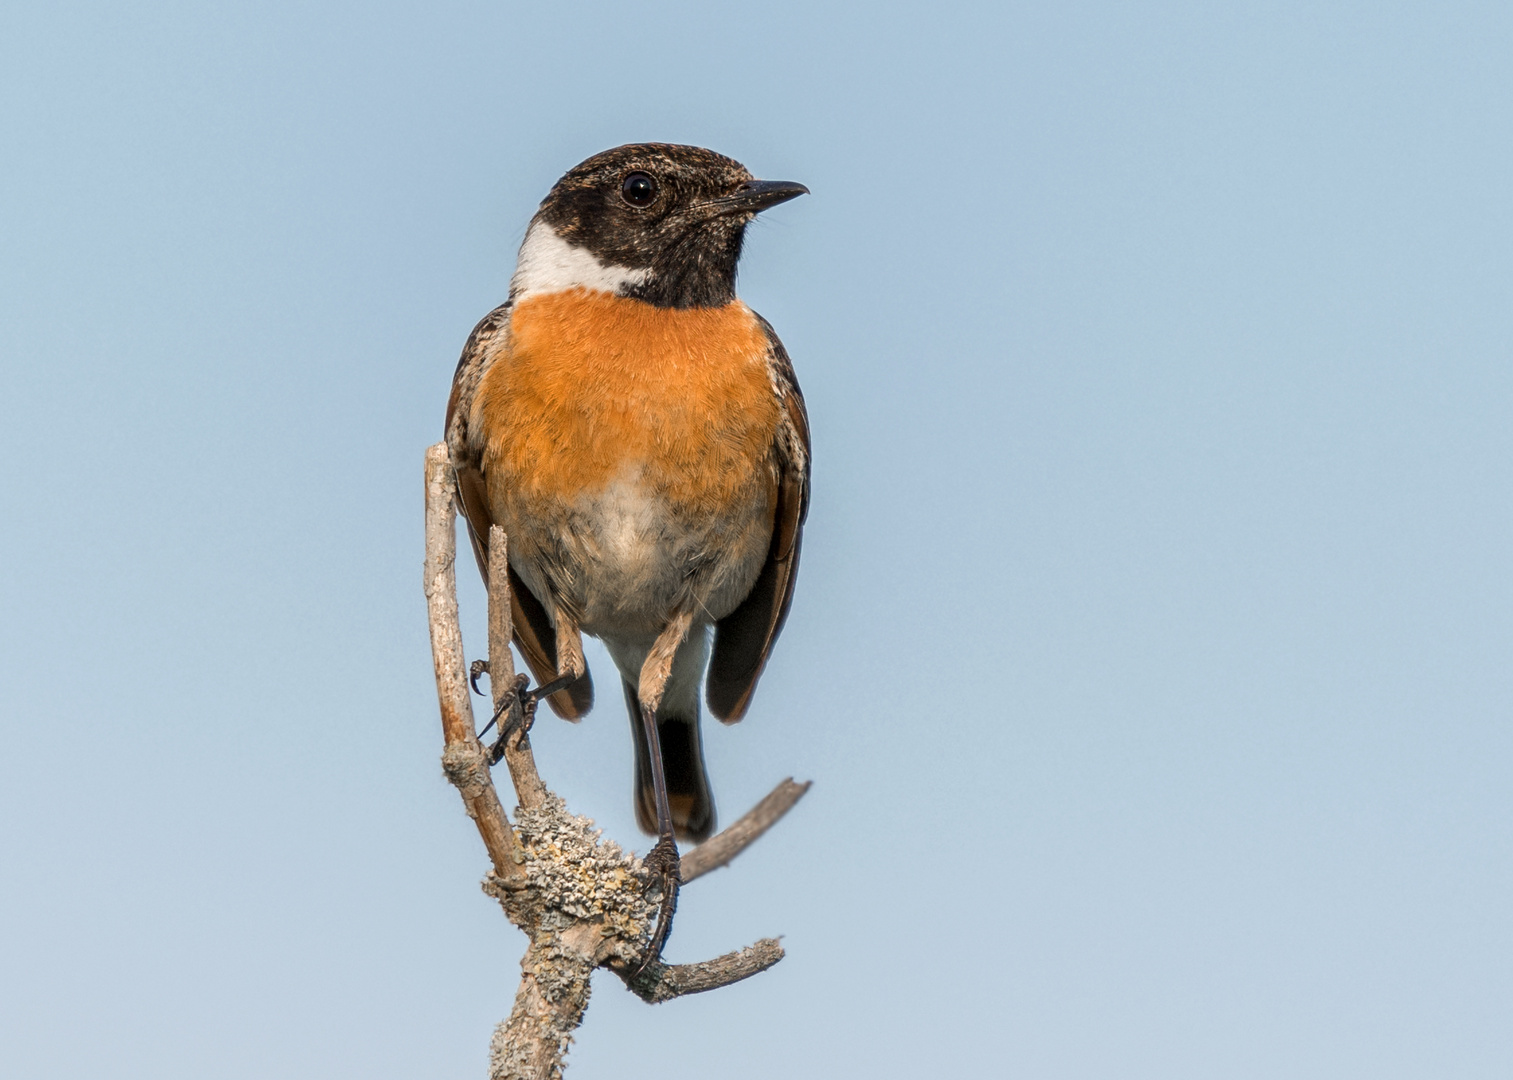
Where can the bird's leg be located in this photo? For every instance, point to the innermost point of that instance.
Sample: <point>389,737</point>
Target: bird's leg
<point>521,705</point>
<point>570,662</point>
<point>662,859</point>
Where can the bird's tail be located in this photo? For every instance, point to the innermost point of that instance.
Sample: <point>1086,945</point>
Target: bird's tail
<point>683,762</point>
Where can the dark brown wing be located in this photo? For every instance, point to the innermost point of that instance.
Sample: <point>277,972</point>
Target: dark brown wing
<point>534,635</point>
<point>743,639</point>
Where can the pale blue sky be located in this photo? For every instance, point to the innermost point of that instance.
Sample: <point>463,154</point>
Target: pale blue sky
<point>1151,647</point>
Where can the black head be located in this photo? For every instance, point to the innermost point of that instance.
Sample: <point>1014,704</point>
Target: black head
<point>674,216</point>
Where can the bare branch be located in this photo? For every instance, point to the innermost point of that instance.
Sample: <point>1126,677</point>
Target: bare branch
<point>462,759</point>
<point>663,982</point>
<point>441,598</point>
<point>718,850</point>
<point>517,749</point>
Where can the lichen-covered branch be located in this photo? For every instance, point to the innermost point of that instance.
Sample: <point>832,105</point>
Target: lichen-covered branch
<point>584,906</point>
<point>583,902</point>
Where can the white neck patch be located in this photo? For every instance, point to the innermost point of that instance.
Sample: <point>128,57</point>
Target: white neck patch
<point>549,264</point>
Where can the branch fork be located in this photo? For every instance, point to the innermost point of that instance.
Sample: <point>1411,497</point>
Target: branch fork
<point>583,902</point>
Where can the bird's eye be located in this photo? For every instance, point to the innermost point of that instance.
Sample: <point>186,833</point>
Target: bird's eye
<point>639,189</point>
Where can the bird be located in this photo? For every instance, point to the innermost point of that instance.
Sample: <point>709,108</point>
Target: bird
<point>640,435</point>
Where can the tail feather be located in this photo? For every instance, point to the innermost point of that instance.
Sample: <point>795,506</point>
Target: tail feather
<point>688,793</point>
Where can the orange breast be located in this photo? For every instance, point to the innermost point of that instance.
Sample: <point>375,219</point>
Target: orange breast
<point>593,385</point>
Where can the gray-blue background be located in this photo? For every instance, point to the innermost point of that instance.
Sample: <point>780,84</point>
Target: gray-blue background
<point>1150,654</point>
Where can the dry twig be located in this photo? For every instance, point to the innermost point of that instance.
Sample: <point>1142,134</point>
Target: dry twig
<point>582,901</point>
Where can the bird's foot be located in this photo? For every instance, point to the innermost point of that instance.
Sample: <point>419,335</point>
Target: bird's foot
<point>478,667</point>
<point>521,707</point>
<point>662,860</point>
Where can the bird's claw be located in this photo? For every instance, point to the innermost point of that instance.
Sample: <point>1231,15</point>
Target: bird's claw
<point>522,716</point>
<point>662,860</point>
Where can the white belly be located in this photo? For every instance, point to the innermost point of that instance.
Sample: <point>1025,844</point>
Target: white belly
<point>624,560</point>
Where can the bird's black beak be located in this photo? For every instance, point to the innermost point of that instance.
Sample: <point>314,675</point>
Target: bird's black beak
<point>754,196</point>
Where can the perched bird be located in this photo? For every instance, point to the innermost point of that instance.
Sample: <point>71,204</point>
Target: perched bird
<point>639,434</point>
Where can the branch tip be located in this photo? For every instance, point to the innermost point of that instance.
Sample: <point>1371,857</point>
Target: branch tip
<point>719,850</point>
<point>663,982</point>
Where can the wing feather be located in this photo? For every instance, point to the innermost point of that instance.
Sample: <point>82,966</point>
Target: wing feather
<point>743,640</point>
<point>534,635</point>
